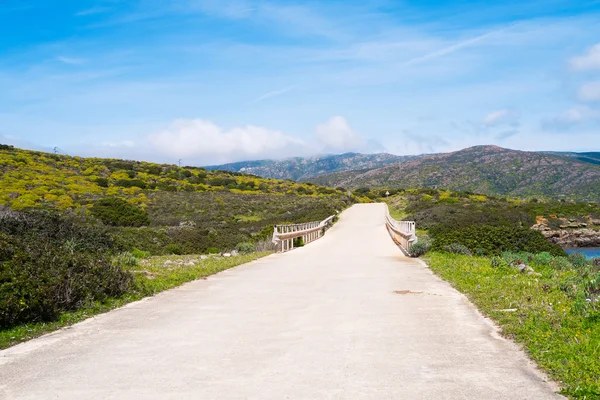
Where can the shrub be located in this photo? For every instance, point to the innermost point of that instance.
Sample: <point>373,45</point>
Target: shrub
<point>137,253</point>
<point>118,212</point>
<point>298,242</point>
<point>50,264</point>
<point>578,260</point>
<point>420,248</point>
<point>245,247</point>
<point>457,248</point>
<point>493,240</point>
<point>212,250</point>
<point>127,183</point>
<point>497,262</point>
<point>125,259</point>
<point>173,248</point>
<point>102,182</point>
<point>561,263</point>
<point>543,258</point>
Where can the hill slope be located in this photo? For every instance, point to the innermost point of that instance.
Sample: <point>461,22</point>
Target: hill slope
<point>300,168</point>
<point>160,208</point>
<point>485,169</point>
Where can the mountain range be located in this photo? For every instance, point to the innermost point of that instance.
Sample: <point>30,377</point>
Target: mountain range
<point>489,170</point>
<point>300,168</point>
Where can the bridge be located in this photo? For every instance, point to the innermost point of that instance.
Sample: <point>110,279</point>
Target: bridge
<point>347,316</point>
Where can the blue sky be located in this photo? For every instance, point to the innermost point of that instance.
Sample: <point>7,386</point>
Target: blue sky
<point>212,81</point>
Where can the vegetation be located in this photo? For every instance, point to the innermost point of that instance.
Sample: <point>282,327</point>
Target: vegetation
<point>161,209</point>
<point>485,225</point>
<point>49,265</point>
<point>555,312</point>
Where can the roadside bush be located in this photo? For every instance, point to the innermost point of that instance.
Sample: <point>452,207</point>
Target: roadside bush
<point>457,248</point>
<point>298,242</point>
<point>137,253</point>
<point>118,212</point>
<point>212,250</point>
<point>125,259</point>
<point>493,240</point>
<point>50,264</point>
<point>420,248</point>
<point>245,247</point>
<point>173,248</point>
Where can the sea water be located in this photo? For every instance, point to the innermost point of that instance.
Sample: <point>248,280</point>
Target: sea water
<point>590,252</point>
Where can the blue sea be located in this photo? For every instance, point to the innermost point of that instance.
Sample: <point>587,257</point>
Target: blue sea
<point>590,252</point>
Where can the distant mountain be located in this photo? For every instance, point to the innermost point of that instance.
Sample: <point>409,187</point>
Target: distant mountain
<point>300,168</point>
<point>487,169</point>
<point>589,157</point>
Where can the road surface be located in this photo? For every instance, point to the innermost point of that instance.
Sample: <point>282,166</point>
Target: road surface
<point>346,317</point>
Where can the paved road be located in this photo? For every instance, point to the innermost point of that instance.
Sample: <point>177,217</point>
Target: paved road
<point>320,322</point>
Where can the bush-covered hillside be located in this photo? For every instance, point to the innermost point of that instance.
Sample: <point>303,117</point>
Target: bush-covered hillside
<point>485,169</point>
<point>31,179</point>
<point>487,225</point>
<point>160,208</point>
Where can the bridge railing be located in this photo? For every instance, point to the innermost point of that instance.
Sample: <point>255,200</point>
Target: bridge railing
<point>284,235</point>
<point>404,233</point>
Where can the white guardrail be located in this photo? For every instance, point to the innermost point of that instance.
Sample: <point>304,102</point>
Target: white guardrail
<point>284,235</point>
<point>404,233</point>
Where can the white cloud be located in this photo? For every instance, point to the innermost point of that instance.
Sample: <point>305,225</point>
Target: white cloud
<point>124,143</point>
<point>589,91</point>
<point>201,139</point>
<point>569,119</point>
<point>501,117</point>
<point>336,135</point>
<point>588,61</point>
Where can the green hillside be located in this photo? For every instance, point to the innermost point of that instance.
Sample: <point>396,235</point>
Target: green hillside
<point>160,208</point>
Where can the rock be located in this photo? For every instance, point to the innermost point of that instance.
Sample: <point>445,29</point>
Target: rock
<point>203,257</point>
<point>168,262</point>
<point>524,268</point>
<point>189,264</point>
<point>235,253</point>
<point>533,273</point>
<point>227,255</point>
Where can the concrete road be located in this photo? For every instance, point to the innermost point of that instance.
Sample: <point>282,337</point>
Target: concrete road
<point>332,320</point>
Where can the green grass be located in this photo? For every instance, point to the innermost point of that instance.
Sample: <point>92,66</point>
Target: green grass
<point>152,276</point>
<point>557,334</point>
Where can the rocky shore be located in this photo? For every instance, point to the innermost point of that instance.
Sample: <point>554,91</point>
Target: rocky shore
<point>571,233</point>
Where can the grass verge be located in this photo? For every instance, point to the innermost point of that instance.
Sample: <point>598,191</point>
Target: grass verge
<point>535,311</point>
<point>152,276</point>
